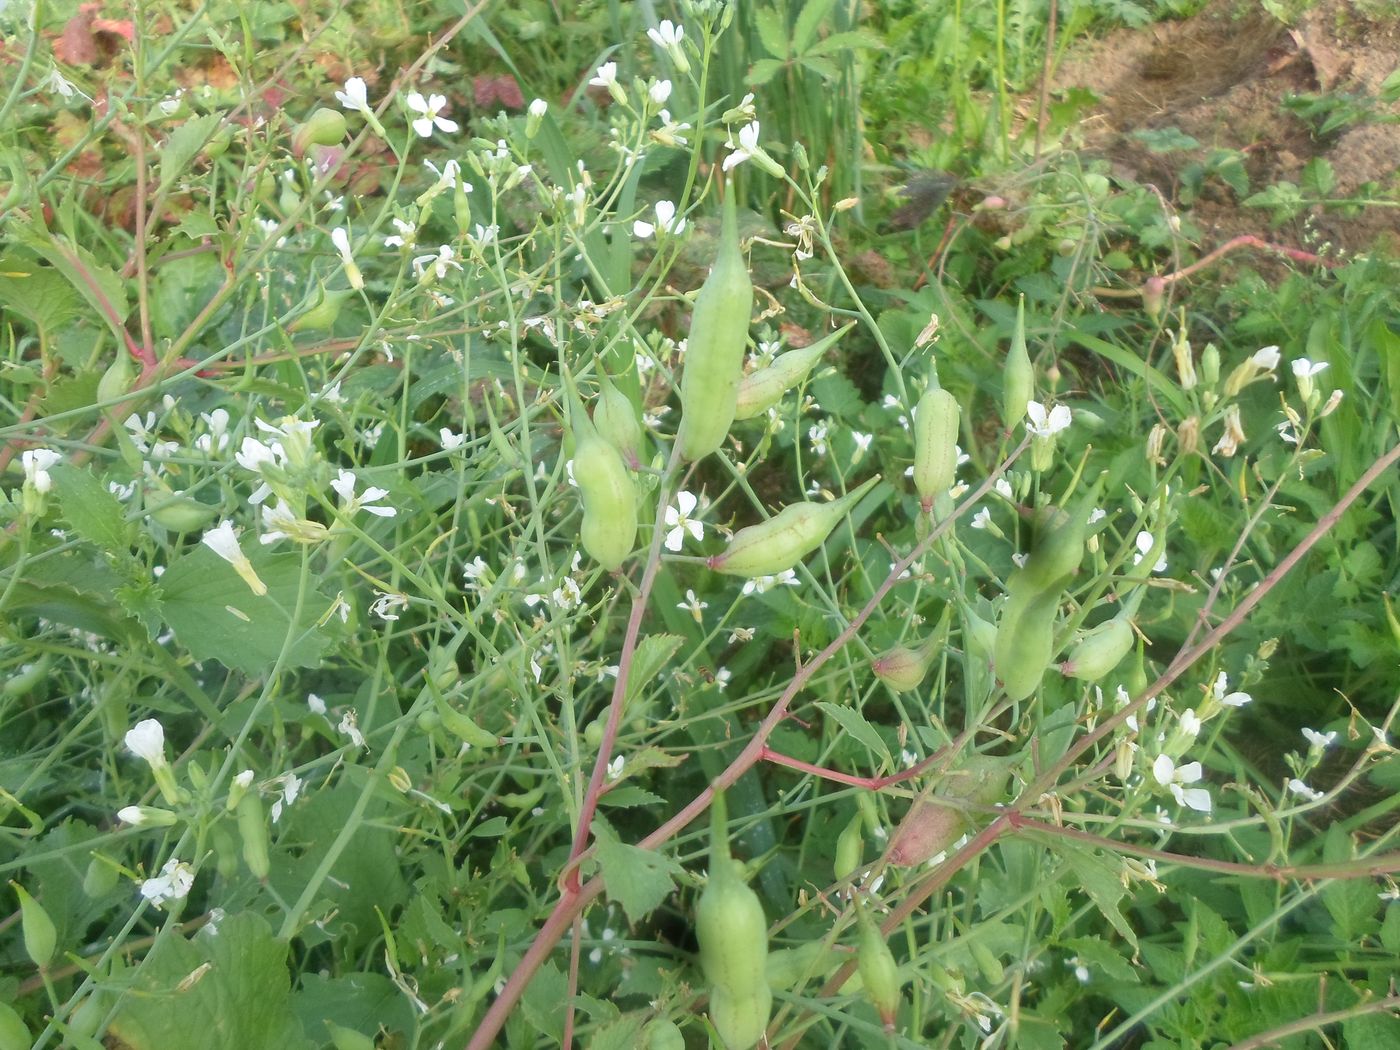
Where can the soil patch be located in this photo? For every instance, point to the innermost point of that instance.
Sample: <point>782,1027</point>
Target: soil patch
<point>1221,77</point>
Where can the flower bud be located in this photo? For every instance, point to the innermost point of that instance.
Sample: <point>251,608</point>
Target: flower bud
<point>1210,365</point>
<point>1154,296</point>
<point>146,817</point>
<point>116,381</point>
<point>325,127</point>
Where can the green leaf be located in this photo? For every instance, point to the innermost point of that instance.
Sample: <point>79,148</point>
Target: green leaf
<point>1371,1032</point>
<point>214,614</point>
<point>854,723</point>
<point>1097,952</point>
<point>649,658</point>
<point>1318,178</point>
<point>182,145</point>
<point>809,20</point>
<point>362,1001</point>
<point>638,879</point>
<point>99,285</point>
<point>848,41</point>
<point>222,989</point>
<point>771,31</point>
<point>1100,880</point>
<point>91,509</point>
<point>762,71</point>
<point>1130,362</point>
<point>36,292</point>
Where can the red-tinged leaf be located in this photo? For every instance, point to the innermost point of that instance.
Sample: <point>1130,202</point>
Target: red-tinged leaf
<point>76,45</point>
<point>121,27</point>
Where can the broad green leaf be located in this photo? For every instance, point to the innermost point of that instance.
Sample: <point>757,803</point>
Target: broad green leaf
<point>771,31</point>
<point>36,292</point>
<point>1100,880</point>
<point>92,510</point>
<point>1097,952</point>
<point>638,879</point>
<point>182,146</point>
<point>104,290</point>
<point>362,1001</point>
<point>762,71</point>
<point>75,589</point>
<point>1371,1032</point>
<point>214,613</point>
<point>225,988</point>
<point>854,723</point>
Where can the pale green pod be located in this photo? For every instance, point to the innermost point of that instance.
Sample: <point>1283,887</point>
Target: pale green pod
<point>935,444</point>
<point>1100,650</point>
<point>979,641</point>
<point>252,831</point>
<point>609,528</point>
<point>40,935</point>
<point>928,829</point>
<point>14,1034</point>
<point>787,966</point>
<point>775,545</point>
<point>1058,551</point>
<point>714,356</point>
<point>901,668</point>
<point>849,847</point>
<point>740,1016</point>
<point>1025,644</point>
<point>763,388</point>
<point>1018,377</point>
<point>879,973</point>
<point>616,421</point>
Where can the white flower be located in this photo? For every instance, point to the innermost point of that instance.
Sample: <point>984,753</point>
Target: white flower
<point>59,85</point>
<point>665,221</point>
<point>659,92</point>
<point>862,442</point>
<point>146,740</point>
<point>1235,699</point>
<point>1232,435</point>
<point>1044,422</point>
<point>679,521</point>
<point>173,883</point>
<point>385,604</point>
<point>1303,368</point>
<point>669,134</point>
<point>223,541</point>
<point>538,108</point>
<point>1266,358</point>
<point>217,439</point>
<point>344,485</point>
<point>280,522</point>
<point>615,769</point>
<point>1144,542</point>
<point>981,519</point>
<point>291,788</point>
<point>763,584</point>
<point>1190,723</point>
<point>315,704</point>
<point>402,239</point>
<point>448,177</point>
<point>1319,741</point>
<point>36,463</point>
<point>667,35</point>
<point>355,96</point>
<point>816,434</point>
<point>723,677</point>
<point>444,259</point>
<point>1302,790</point>
<point>349,725</point>
<point>451,440</point>
<point>693,604</point>
<point>341,239</point>
<point>430,114</point>
<point>473,572</point>
<point>1172,776</point>
<point>748,146</point>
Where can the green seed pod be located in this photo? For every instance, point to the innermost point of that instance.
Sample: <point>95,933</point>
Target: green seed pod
<point>461,726</point>
<point>616,421</point>
<point>86,1020</point>
<point>225,851</point>
<point>99,878</point>
<point>28,677</point>
<point>714,356</point>
<point>348,1038</point>
<point>1059,549</point>
<point>849,846</point>
<point>1018,377</point>
<point>901,668</point>
<point>116,381</point>
<point>40,937</point>
<point>663,1034</point>
<point>732,933</point>
<point>980,780</point>
<point>879,973</point>
<point>14,1034</point>
<point>252,829</point>
<point>989,964</point>
<point>927,830</point>
<point>609,529</point>
<point>979,641</point>
<point>322,314</point>
<point>325,127</point>
<point>782,541</point>
<point>1099,651</point>
<point>180,514</point>
<point>740,1017</point>
<point>763,388</point>
<point>1025,643</point>
<point>935,444</point>
<point>789,966</point>
<point>219,142</point>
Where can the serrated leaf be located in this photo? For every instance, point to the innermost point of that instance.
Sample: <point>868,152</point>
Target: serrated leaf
<point>224,989</point>
<point>854,723</point>
<point>649,658</point>
<point>182,145</point>
<point>1099,879</point>
<point>1371,1032</point>
<point>38,293</point>
<point>104,290</point>
<point>809,20</point>
<point>771,31</point>
<point>214,614</point>
<point>848,41</point>
<point>1096,952</point>
<point>638,879</point>
<point>91,509</point>
<point>762,71</point>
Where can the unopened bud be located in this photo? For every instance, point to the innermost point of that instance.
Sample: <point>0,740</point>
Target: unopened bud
<point>1156,438</point>
<point>1154,296</point>
<point>1188,435</point>
<point>1333,400</point>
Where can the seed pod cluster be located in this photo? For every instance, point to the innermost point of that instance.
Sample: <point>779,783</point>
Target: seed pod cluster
<point>714,355</point>
<point>1025,640</point>
<point>935,443</point>
<point>609,529</point>
<point>733,937</point>
<point>775,545</point>
<point>764,387</point>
